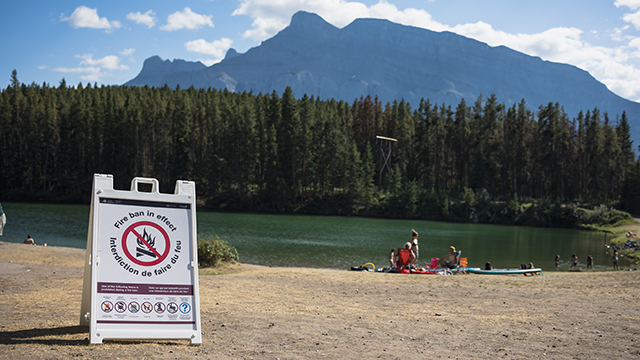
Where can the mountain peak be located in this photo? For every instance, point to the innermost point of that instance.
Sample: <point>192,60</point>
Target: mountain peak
<point>155,67</point>
<point>231,53</point>
<point>310,22</point>
<point>303,18</point>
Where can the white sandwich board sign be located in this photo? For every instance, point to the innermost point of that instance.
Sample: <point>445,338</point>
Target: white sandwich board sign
<point>141,268</point>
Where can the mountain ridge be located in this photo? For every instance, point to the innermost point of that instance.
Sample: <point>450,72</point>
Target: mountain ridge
<point>392,61</point>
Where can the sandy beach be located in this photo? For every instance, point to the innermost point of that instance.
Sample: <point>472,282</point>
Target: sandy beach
<point>251,312</point>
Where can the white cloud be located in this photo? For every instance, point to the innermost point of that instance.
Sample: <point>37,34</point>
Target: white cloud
<point>84,17</point>
<point>147,18</point>
<point>216,48</point>
<point>269,16</point>
<point>631,4</point>
<point>127,52</point>
<point>616,34</point>
<point>93,69</point>
<point>110,62</point>
<point>633,19</point>
<point>92,73</point>
<point>186,19</point>
<point>76,69</point>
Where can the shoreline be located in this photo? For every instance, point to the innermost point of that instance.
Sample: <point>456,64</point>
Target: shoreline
<point>299,313</point>
<point>233,268</point>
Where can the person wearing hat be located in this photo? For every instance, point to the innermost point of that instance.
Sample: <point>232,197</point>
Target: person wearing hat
<point>414,245</point>
<point>451,260</point>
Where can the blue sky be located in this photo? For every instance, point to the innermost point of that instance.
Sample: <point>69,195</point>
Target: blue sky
<point>107,42</point>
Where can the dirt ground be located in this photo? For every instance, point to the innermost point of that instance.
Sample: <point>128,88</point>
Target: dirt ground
<point>255,312</point>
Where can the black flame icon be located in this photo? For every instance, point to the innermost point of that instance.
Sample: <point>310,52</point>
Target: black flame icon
<point>142,249</point>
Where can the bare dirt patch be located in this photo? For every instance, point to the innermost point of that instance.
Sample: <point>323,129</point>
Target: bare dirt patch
<point>256,312</point>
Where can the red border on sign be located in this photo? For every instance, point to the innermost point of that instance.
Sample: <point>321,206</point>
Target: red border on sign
<point>131,229</point>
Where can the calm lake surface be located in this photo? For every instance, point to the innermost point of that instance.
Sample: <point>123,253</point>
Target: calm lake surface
<point>330,241</point>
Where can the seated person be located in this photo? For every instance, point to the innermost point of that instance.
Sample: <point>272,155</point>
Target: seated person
<point>530,266</point>
<point>451,260</point>
<point>29,240</point>
<point>407,246</point>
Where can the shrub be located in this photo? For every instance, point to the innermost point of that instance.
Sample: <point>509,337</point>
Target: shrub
<point>213,251</point>
<point>601,215</point>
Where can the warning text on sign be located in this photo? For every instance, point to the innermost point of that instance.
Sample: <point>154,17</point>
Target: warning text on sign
<point>136,214</point>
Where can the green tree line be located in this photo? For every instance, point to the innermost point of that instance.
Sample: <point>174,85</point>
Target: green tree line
<point>272,152</point>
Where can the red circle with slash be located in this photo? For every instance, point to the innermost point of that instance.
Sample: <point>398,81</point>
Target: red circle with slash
<point>132,230</point>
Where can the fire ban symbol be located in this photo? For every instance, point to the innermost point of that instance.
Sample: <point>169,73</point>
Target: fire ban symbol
<point>141,249</point>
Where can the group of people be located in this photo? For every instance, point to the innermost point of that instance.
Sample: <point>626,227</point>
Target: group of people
<point>449,261</point>
<point>574,261</point>
<point>409,245</point>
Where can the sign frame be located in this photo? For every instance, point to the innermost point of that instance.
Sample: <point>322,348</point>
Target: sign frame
<point>109,267</point>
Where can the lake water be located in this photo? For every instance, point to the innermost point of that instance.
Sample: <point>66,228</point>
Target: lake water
<point>330,241</point>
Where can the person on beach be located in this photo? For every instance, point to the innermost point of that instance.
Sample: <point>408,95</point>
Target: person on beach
<point>614,259</point>
<point>557,261</point>
<point>574,261</point>
<point>589,262</point>
<point>407,246</point>
<point>29,240</point>
<point>392,258</point>
<point>531,266</point>
<point>451,260</point>
<point>414,245</point>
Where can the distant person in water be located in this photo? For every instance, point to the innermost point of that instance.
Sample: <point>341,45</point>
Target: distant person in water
<point>414,245</point>
<point>589,262</point>
<point>29,240</point>
<point>557,261</point>
<point>574,261</point>
<point>614,259</point>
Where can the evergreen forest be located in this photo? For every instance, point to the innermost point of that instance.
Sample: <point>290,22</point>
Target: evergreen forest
<point>483,161</point>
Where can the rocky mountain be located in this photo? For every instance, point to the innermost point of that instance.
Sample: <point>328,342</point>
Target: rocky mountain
<point>378,57</point>
<point>155,69</point>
